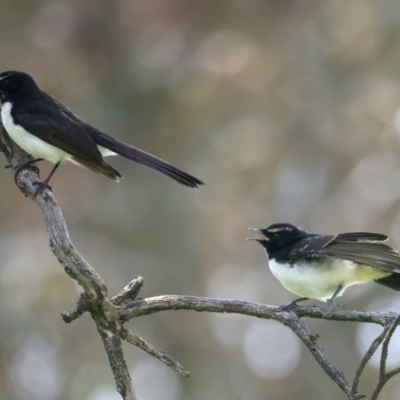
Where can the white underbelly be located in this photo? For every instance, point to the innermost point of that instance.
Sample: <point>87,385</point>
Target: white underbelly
<point>320,281</point>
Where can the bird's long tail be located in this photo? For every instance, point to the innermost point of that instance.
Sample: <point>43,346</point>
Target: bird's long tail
<point>146,159</point>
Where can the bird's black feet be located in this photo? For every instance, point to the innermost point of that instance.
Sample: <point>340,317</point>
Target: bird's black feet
<point>40,187</point>
<point>26,165</point>
<point>292,304</point>
<point>332,305</point>
<point>45,183</point>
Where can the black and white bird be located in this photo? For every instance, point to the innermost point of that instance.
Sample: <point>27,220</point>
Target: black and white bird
<point>323,267</point>
<point>48,130</point>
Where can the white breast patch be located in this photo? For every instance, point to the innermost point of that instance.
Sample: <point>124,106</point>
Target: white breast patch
<point>30,143</point>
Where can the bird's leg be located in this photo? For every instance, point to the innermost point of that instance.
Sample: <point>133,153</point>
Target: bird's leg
<point>25,165</point>
<point>336,294</point>
<point>292,304</point>
<point>45,183</point>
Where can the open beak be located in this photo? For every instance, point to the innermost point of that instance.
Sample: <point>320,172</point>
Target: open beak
<point>257,239</point>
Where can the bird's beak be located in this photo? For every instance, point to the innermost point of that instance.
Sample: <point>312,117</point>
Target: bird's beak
<point>257,239</point>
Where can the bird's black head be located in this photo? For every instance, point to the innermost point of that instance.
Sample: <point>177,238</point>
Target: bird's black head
<point>279,235</point>
<point>14,84</point>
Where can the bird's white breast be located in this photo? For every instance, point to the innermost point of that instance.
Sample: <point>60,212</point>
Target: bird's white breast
<point>30,143</point>
<point>319,280</point>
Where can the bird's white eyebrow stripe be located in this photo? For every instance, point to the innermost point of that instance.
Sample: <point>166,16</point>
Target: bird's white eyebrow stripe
<point>4,77</point>
<point>279,229</point>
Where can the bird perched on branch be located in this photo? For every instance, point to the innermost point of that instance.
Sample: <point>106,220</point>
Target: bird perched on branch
<point>48,130</point>
<point>323,267</point>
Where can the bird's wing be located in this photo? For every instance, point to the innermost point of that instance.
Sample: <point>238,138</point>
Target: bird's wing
<point>61,131</point>
<point>353,247</point>
<point>360,236</point>
<point>65,110</point>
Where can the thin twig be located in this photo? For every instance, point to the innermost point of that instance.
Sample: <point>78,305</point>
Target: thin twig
<point>113,346</point>
<point>129,292</point>
<point>392,373</point>
<point>79,309</point>
<point>302,331</point>
<point>383,376</point>
<point>385,346</point>
<point>368,355</point>
<point>154,351</point>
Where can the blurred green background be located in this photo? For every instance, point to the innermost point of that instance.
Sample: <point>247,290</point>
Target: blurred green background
<point>288,110</point>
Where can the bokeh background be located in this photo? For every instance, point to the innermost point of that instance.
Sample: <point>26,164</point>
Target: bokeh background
<point>288,110</point>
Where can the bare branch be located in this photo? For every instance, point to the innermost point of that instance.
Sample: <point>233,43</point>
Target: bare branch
<point>290,318</point>
<point>383,376</point>
<point>390,330</point>
<point>76,312</point>
<point>301,330</point>
<point>129,292</point>
<point>94,290</point>
<point>392,373</point>
<point>113,347</point>
<point>368,355</point>
<point>109,315</point>
<point>136,308</point>
<point>154,351</point>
